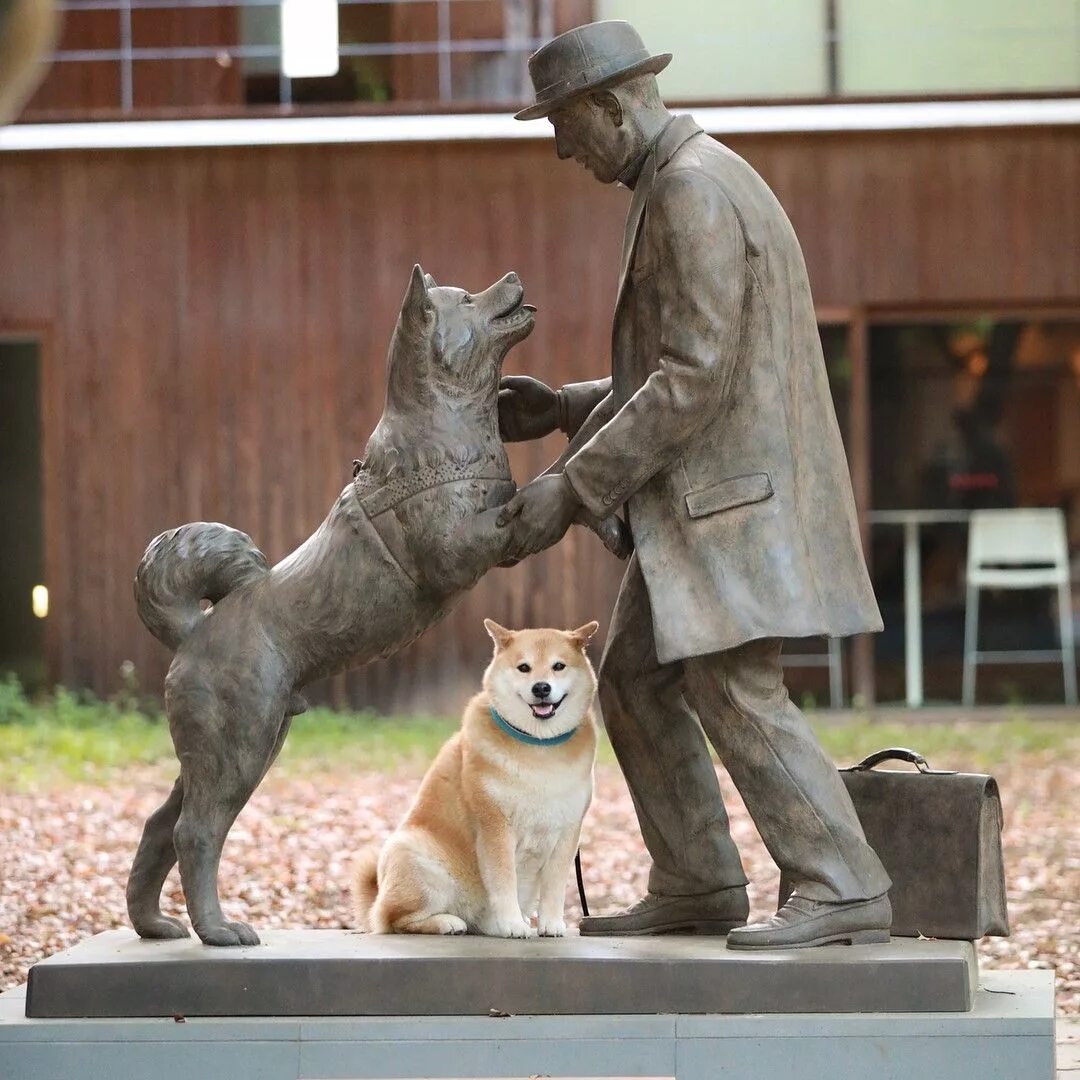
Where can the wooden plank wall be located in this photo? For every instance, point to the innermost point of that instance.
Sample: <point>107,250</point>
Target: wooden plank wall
<point>216,322</point>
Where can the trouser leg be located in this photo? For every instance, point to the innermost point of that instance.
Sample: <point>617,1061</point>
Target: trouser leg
<point>792,790</point>
<point>664,757</point>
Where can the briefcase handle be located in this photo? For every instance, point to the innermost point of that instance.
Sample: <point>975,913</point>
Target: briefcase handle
<point>893,753</point>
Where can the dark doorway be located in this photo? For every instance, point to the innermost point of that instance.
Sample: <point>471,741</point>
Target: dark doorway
<point>23,603</point>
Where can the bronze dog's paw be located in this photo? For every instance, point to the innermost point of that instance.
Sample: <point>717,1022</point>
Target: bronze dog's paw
<point>161,927</point>
<point>229,933</point>
<point>616,536</point>
<point>613,531</point>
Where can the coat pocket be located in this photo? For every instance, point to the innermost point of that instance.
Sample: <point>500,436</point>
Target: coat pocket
<point>736,491</point>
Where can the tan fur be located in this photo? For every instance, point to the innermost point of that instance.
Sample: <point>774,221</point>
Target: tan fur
<point>491,835</point>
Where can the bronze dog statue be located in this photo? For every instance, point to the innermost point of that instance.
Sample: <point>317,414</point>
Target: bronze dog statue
<point>412,532</point>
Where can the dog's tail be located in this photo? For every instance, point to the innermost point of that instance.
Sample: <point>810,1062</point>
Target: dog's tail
<point>183,567</point>
<point>365,887</point>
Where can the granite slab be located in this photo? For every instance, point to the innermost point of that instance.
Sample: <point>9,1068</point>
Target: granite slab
<point>344,973</point>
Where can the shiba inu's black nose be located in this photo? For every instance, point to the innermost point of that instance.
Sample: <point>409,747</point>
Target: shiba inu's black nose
<point>541,689</point>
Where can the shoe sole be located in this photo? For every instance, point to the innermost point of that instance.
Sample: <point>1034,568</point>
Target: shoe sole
<point>704,927</point>
<point>854,937</point>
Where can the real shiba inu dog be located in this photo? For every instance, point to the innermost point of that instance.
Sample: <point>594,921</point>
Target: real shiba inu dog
<point>491,836</point>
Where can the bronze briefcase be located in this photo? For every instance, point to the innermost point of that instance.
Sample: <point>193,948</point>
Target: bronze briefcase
<point>939,835</point>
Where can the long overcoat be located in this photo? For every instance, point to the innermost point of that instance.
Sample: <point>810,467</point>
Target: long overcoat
<point>718,430</point>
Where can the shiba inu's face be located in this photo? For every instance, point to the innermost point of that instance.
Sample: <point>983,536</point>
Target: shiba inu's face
<point>461,338</point>
<point>541,681</point>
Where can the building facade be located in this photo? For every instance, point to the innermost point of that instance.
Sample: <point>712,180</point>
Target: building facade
<point>199,331</point>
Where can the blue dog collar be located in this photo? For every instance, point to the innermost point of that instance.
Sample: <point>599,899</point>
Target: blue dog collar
<point>524,736</point>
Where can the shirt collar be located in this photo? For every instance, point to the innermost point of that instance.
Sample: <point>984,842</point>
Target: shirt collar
<point>664,144</point>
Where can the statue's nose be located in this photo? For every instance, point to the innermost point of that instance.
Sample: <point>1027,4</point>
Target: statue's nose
<point>512,279</point>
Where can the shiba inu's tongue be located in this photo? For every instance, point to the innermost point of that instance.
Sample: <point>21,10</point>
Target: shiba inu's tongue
<point>543,710</point>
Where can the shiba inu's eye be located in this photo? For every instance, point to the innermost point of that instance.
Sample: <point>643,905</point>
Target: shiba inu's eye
<point>524,668</point>
<point>558,666</point>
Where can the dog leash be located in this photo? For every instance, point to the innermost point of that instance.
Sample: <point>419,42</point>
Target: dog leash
<point>581,885</point>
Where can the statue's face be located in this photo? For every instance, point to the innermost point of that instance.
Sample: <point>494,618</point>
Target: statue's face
<point>586,132</point>
<point>456,341</point>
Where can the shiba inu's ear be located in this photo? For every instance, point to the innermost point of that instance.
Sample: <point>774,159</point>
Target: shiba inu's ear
<point>416,306</point>
<point>499,634</point>
<point>582,634</point>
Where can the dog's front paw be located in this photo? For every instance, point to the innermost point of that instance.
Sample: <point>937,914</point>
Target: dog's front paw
<point>553,927</point>
<point>517,927</point>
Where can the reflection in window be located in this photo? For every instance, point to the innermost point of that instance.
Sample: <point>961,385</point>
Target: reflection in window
<point>969,415</point>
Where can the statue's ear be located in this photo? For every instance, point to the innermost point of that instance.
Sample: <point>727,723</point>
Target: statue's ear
<point>430,282</point>
<point>499,634</point>
<point>416,306</point>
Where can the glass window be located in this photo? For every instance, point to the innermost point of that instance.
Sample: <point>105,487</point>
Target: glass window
<point>964,416</point>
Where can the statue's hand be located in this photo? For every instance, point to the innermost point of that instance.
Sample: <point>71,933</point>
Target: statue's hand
<point>538,515</point>
<point>528,408</point>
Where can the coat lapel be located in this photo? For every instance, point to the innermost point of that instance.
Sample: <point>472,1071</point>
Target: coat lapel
<point>633,219</point>
<point>670,139</point>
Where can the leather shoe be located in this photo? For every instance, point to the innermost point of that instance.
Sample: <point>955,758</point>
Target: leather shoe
<point>709,913</point>
<point>802,923</point>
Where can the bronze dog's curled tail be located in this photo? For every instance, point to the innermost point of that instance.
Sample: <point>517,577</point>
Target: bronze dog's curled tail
<point>182,567</point>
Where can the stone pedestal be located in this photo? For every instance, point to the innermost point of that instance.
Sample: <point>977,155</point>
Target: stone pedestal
<point>343,973</point>
<point>664,1007</point>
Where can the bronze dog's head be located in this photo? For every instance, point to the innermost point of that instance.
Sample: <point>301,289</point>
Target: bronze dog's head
<point>452,343</point>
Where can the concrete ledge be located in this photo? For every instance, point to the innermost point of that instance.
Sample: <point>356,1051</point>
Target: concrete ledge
<point>341,973</point>
<point>1008,1035</point>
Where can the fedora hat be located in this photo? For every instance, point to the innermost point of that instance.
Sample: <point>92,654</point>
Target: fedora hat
<point>587,58</point>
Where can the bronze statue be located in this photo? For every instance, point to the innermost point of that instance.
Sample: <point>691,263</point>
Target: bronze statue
<point>413,530</point>
<point>716,435</point>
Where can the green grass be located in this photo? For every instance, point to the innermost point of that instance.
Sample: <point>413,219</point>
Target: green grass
<point>979,745</point>
<point>64,737</point>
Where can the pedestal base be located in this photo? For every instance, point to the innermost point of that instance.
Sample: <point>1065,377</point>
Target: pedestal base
<point>1007,1035</point>
<point>342,973</point>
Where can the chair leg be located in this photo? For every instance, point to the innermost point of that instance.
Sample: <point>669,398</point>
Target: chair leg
<point>836,674</point>
<point>1068,641</point>
<point>971,644</point>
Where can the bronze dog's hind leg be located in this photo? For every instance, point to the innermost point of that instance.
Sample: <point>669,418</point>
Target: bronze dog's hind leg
<point>153,861</point>
<point>219,776</point>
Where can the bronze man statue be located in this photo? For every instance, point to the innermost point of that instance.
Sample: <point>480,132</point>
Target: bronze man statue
<point>717,437</point>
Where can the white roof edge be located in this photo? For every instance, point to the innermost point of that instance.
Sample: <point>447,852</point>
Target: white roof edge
<point>723,120</point>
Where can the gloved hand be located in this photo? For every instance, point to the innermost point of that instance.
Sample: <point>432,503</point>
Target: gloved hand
<point>528,408</point>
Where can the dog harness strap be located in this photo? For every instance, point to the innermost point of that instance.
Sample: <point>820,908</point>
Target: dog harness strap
<point>377,500</point>
<point>525,737</point>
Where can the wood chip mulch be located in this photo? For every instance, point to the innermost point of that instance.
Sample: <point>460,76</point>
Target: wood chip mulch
<point>64,857</point>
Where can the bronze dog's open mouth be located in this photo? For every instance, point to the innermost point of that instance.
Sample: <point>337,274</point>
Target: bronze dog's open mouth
<point>516,314</point>
<point>545,710</point>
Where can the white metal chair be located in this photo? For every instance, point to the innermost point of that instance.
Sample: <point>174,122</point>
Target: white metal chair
<point>1018,549</point>
<point>832,659</point>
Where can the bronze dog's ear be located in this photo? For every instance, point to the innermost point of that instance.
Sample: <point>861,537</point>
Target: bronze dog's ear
<point>582,634</point>
<point>499,634</point>
<point>430,282</point>
<point>417,306</point>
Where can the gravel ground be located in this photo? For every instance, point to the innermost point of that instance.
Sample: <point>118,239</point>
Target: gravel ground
<point>64,856</point>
